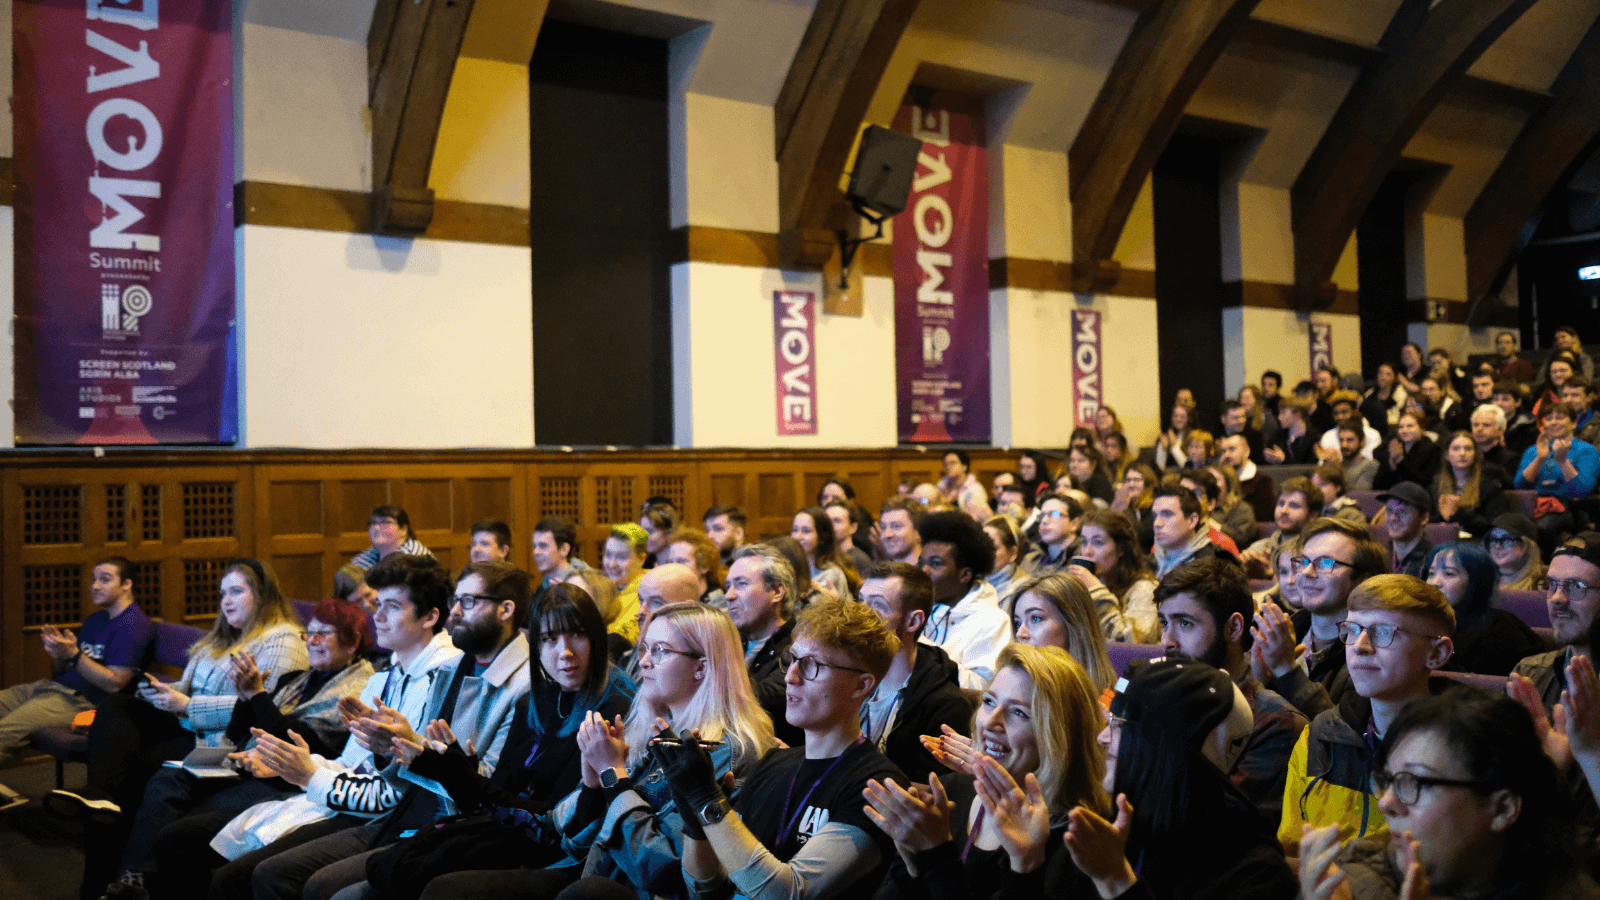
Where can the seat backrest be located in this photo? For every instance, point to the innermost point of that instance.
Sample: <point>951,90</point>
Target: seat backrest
<point>1529,606</point>
<point>1265,529</point>
<point>1441,533</point>
<point>1493,683</point>
<point>173,640</point>
<point>1522,502</point>
<point>1368,501</point>
<point>304,609</point>
<point>1121,654</point>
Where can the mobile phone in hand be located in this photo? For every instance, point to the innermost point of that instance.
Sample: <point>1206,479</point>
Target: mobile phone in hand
<point>1085,562</point>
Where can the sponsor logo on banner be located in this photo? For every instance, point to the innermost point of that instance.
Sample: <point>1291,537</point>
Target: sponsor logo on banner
<point>795,357</point>
<point>1085,366</point>
<point>124,256</point>
<point>941,281</point>
<point>1321,334</point>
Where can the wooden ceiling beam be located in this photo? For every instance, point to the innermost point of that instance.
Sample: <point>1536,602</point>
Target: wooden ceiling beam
<point>818,113</point>
<point>1427,50</point>
<point>1552,145</point>
<point>1173,45</point>
<point>411,57</point>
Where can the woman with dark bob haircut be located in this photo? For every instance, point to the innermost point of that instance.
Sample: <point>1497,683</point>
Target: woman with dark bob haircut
<point>1463,773</point>
<point>1488,641</point>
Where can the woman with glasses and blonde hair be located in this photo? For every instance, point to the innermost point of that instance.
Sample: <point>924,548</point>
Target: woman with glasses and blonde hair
<point>994,826</point>
<point>1057,611</point>
<point>1513,544</point>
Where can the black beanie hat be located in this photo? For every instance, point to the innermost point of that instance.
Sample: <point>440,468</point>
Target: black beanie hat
<point>1176,698</point>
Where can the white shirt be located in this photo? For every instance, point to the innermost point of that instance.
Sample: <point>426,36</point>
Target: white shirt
<point>1369,439</point>
<point>972,632</point>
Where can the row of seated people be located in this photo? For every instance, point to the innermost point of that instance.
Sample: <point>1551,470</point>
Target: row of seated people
<point>474,717</point>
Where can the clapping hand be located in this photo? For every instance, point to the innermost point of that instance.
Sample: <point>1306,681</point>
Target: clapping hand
<point>1559,448</point>
<point>1020,814</point>
<point>602,745</point>
<point>1099,848</point>
<point>1522,689</point>
<point>58,642</point>
<point>1274,651</point>
<point>247,679</point>
<point>1579,710</point>
<point>1320,876</point>
<point>377,730</point>
<point>249,762</point>
<point>290,760</point>
<point>953,750</point>
<point>1408,859</point>
<point>351,708</point>
<point>916,819</point>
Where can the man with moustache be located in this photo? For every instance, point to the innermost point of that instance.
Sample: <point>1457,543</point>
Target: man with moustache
<point>1574,598</point>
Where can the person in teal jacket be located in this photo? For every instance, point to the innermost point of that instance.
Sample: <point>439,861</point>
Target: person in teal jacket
<point>1561,467</point>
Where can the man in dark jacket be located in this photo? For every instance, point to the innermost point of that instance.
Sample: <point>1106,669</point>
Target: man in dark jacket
<point>760,590</point>
<point>922,690</point>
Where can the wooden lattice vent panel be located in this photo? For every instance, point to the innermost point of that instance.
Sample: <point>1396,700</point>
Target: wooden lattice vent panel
<point>202,580</point>
<point>558,496</point>
<point>52,594</point>
<point>52,514</point>
<point>208,510</point>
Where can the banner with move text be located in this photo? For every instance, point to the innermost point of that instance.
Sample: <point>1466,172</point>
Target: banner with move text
<point>941,281</point>
<point>794,329</point>
<point>1085,367</point>
<point>1321,336</point>
<point>124,221</point>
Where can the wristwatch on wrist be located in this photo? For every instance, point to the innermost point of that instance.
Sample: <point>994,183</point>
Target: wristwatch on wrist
<point>614,777</point>
<point>715,811</point>
<point>71,663</point>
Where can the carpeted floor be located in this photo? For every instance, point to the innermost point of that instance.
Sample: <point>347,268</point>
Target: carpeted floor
<point>41,858</point>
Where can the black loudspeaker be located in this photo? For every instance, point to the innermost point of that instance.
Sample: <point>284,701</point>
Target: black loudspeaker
<point>885,165</point>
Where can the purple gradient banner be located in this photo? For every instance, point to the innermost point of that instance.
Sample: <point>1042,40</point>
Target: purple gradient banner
<point>124,221</point>
<point>941,282</point>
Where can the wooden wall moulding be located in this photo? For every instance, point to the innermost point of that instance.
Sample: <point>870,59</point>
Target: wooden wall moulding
<point>330,209</point>
<point>1266,295</point>
<point>180,515</point>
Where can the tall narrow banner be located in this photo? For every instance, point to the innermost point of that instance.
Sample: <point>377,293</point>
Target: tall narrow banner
<point>1085,367</point>
<point>941,281</point>
<point>124,221</point>
<point>794,357</point>
<point>1321,337</point>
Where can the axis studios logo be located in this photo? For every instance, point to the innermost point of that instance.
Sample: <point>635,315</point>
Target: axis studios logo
<point>121,308</point>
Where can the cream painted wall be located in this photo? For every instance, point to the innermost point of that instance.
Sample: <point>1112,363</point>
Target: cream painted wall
<point>482,152</point>
<point>1028,218</point>
<point>1038,368</point>
<point>298,85</point>
<point>1436,258</point>
<point>348,340</point>
<point>731,179</point>
<point>1136,248</point>
<point>723,341</point>
<point>1258,339</point>
<point>1262,213</point>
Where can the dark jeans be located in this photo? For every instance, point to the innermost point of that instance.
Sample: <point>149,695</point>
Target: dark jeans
<point>236,880</point>
<point>594,887</point>
<point>171,794</point>
<point>502,884</point>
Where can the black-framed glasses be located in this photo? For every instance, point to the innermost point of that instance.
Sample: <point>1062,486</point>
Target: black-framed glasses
<point>1322,565</point>
<point>658,653</point>
<point>811,667</point>
<point>1382,634</point>
<point>1503,540</point>
<point>1407,786</point>
<point>1571,587</point>
<point>468,602</point>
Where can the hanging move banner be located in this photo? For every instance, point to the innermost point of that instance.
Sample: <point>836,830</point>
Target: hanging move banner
<point>1085,367</point>
<point>794,328</point>
<point>124,221</point>
<point>941,281</point>
<point>1321,337</point>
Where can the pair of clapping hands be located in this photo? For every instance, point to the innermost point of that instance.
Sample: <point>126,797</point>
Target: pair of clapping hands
<point>383,731</point>
<point>917,817</point>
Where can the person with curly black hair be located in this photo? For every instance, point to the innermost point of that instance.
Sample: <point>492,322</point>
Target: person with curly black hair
<point>966,622</point>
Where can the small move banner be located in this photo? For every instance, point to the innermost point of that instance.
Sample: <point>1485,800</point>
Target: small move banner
<point>1085,366</point>
<point>1321,335</point>
<point>794,329</point>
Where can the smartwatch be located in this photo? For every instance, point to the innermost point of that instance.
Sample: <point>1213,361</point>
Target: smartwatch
<point>614,778</point>
<point>715,811</point>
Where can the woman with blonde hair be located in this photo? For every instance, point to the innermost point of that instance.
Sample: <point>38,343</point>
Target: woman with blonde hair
<point>992,827</point>
<point>622,559</point>
<point>256,631</point>
<point>1467,495</point>
<point>1057,611</point>
<point>1513,544</point>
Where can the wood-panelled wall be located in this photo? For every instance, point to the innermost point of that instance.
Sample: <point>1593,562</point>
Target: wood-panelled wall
<point>181,516</point>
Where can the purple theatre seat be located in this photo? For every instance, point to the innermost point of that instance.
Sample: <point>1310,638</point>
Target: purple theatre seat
<point>173,640</point>
<point>1368,501</point>
<point>304,609</point>
<point>1522,502</point>
<point>1529,606</point>
<point>1493,683</point>
<point>1441,533</point>
<point>1265,529</point>
<point>1121,654</point>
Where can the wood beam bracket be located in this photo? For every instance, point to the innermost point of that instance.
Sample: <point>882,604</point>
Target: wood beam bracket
<point>818,113</point>
<point>411,58</point>
<point>1095,276</point>
<point>1173,45</point>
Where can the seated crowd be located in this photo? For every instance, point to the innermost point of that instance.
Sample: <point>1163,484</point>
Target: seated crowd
<point>922,704</point>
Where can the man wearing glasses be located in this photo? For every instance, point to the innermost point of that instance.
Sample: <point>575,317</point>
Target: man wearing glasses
<point>1396,633</point>
<point>1574,598</point>
<point>798,831</point>
<point>1058,530</point>
<point>1334,558</point>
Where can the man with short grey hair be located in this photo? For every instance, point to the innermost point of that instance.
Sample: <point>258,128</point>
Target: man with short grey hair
<point>761,591</point>
<point>1489,433</point>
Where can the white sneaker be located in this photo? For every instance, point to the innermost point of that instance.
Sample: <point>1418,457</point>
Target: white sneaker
<point>68,805</point>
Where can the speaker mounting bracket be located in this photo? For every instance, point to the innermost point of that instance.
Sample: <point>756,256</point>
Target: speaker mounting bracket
<point>849,245</point>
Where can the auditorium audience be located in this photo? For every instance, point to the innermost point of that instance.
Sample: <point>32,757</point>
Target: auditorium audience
<point>806,590</point>
<point>1521,429</point>
<point>1412,368</point>
<point>1329,478</point>
<point>1407,511</point>
<point>1385,399</point>
<point>623,562</point>
<point>1009,547</point>
<point>1410,455</point>
<point>1488,641</point>
<point>1208,491</point>
<point>992,828</point>
<point>553,540</point>
<point>921,693</point>
<point>1300,502</point>
<point>1574,598</point>
<point>1563,470</point>
<point>1547,392</point>
<point>1488,427</point>
<point>1058,531</point>
<point>658,520</point>
<point>1507,363</point>
<point>897,529</point>
<point>1469,493</point>
<point>1114,447</point>
<point>830,569</point>
<point>1236,419</point>
<point>1296,444</point>
<point>1133,493</point>
<point>1172,444</point>
<point>966,620</point>
<point>1035,471</point>
<point>1088,470</point>
<point>1180,534</point>
<point>846,518</point>
<point>1256,487</point>
<point>1345,407</point>
<point>1106,423</point>
<point>1057,611</point>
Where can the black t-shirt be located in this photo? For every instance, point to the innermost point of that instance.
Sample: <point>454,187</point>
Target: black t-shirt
<point>785,778</point>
